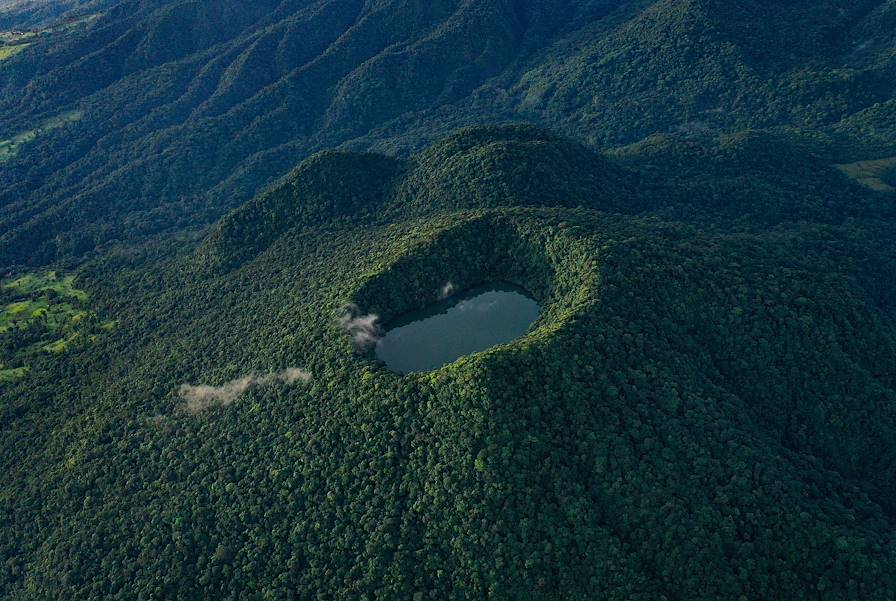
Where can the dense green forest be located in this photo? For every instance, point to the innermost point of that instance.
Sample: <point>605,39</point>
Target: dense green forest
<point>706,408</point>
<point>189,108</point>
<point>701,195</point>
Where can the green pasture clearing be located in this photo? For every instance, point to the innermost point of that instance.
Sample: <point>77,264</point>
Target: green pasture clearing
<point>13,38</point>
<point>18,308</point>
<point>21,313</point>
<point>18,37</point>
<point>44,312</point>
<point>877,174</point>
<point>10,51</point>
<point>47,297</point>
<point>61,345</point>
<point>11,146</point>
<point>42,282</point>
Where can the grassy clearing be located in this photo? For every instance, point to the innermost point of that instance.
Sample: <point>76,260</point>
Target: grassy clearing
<point>15,309</point>
<point>8,37</point>
<point>43,282</point>
<point>52,301</point>
<point>10,147</point>
<point>878,174</point>
<point>10,51</point>
<point>43,313</point>
<point>61,345</point>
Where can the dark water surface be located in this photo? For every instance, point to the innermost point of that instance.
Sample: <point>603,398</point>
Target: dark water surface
<point>460,325</point>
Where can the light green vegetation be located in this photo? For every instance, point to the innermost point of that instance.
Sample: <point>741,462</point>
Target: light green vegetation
<point>43,313</point>
<point>11,375</point>
<point>11,50</point>
<point>46,298</point>
<point>20,313</point>
<point>14,309</point>
<point>61,345</point>
<point>11,38</point>
<point>876,174</point>
<point>11,146</point>
<point>42,282</point>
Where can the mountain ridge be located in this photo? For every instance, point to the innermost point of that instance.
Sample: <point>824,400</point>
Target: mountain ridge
<point>203,122</point>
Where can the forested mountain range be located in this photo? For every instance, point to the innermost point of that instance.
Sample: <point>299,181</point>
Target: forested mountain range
<point>180,110</point>
<point>198,198</point>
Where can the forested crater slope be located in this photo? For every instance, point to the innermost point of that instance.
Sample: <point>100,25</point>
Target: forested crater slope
<point>704,409</point>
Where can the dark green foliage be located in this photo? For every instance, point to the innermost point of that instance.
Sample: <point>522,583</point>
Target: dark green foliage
<point>521,165</point>
<point>326,187</point>
<point>191,107</point>
<point>749,177</point>
<point>703,410</point>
